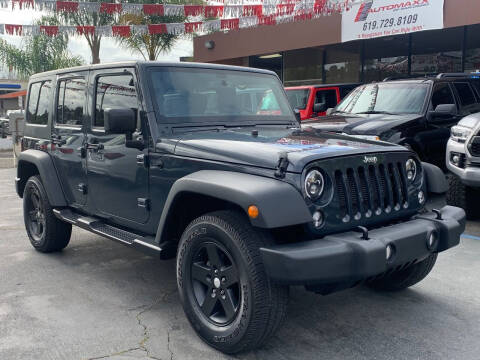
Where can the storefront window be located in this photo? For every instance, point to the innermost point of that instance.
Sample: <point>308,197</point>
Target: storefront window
<point>386,57</point>
<point>272,62</point>
<point>437,51</point>
<point>472,55</point>
<point>303,66</point>
<point>343,63</point>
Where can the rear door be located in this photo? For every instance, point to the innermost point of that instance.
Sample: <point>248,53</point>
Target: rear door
<point>68,135</point>
<point>437,132</point>
<point>467,99</point>
<point>117,177</point>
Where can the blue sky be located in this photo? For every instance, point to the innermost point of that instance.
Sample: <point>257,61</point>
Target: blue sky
<point>109,51</point>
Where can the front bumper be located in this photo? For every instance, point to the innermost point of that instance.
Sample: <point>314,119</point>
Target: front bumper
<point>346,257</point>
<point>469,175</point>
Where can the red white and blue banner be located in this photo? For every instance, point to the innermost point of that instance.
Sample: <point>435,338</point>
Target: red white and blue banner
<point>377,18</point>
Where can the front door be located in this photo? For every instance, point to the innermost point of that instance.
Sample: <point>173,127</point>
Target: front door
<point>117,182</point>
<point>68,135</point>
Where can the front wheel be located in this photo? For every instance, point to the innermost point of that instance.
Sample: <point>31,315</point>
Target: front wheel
<point>225,292</point>
<point>402,279</point>
<point>463,196</point>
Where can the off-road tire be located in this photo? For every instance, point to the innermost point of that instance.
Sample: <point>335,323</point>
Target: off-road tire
<point>56,233</point>
<point>405,278</point>
<point>262,305</point>
<point>463,196</point>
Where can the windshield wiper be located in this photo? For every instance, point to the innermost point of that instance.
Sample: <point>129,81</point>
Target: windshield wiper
<point>376,112</point>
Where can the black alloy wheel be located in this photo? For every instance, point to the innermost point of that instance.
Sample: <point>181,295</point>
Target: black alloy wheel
<point>216,283</point>
<point>36,215</point>
<point>222,283</point>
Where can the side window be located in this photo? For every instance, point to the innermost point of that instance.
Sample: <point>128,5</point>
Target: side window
<point>465,92</point>
<point>37,109</point>
<point>442,94</point>
<point>70,101</point>
<point>328,97</point>
<point>114,92</point>
<point>476,85</point>
<point>34,92</point>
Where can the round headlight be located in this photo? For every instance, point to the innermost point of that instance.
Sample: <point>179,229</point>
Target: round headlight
<point>411,168</point>
<point>314,184</point>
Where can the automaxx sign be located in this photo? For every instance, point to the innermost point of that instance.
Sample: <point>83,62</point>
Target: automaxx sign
<point>376,18</point>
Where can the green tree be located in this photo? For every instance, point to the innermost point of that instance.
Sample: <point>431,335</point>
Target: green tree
<point>151,46</point>
<point>38,53</point>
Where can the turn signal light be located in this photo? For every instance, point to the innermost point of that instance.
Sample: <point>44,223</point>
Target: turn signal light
<point>253,211</point>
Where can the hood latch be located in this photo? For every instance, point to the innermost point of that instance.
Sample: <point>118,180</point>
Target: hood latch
<point>282,165</point>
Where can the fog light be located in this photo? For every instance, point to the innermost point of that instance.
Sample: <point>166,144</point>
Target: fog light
<point>432,240</point>
<point>389,251</point>
<point>317,219</point>
<point>455,159</point>
<point>421,197</point>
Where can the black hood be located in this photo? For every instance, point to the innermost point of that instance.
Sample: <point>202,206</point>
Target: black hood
<point>241,146</point>
<point>374,124</point>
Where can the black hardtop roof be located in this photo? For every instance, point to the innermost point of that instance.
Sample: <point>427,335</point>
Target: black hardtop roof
<point>146,64</point>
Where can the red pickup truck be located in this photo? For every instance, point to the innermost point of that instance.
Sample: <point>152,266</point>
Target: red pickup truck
<point>314,100</point>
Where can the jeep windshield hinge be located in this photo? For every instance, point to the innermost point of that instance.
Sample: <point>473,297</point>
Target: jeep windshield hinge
<point>142,160</point>
<point>282,165</point>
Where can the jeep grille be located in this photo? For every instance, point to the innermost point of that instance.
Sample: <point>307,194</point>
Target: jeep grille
<point>370,190</point>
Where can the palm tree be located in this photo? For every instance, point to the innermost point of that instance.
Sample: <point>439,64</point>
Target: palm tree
<point>38,53</point>
<point>151,46</point>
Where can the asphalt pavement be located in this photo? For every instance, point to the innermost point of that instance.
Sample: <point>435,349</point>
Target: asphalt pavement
<point>100,300</point>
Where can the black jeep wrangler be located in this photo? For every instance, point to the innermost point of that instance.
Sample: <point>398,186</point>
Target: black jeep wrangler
<point>416,113</point>
<point>207,163</point>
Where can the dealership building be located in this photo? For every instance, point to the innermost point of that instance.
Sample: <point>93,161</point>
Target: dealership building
<point>444,38</point>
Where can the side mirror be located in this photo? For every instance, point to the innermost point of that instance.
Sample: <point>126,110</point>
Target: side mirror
<point>443,111</point>
<point>330,111</point>
<point>319,107</point>
<point>297,115</point>
<point>120,121</point>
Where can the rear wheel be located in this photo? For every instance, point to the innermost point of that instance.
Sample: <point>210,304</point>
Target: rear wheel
<point>225,292</point>
<point>463,196</point>
<point>45,231</point>
<point>399,280</point>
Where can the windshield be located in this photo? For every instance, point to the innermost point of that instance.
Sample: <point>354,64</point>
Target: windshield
<point>398,98</point>
<point>186,95</point>
<point>298,98</point>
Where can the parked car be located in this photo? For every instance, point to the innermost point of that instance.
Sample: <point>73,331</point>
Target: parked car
<point>417,113</point>
<point>313,101</point>
<point>165,158</point>
<point>463,162</point>
<point>4,127</point>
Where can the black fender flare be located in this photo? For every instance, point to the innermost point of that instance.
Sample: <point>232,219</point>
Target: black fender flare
<point>46,169</point>
<point>279,203</point>
<point>435,179</point>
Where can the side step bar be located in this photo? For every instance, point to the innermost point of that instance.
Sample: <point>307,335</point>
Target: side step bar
<point>143,243</point>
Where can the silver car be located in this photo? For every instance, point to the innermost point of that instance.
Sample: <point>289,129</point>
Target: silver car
<point>463,161</point>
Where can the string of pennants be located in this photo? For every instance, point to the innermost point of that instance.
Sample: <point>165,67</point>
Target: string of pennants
<point>247,15</point>
<point>228,8</point>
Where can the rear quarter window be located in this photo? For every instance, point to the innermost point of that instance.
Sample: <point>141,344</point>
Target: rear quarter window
<point>38,103</point>
<point>465,92</point>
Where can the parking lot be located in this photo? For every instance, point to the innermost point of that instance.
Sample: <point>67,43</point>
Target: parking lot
<point>100,300</point>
